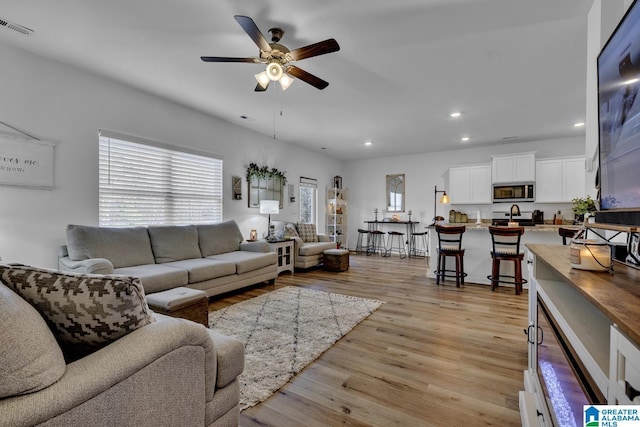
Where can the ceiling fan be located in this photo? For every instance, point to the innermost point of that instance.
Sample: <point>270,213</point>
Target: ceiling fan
<point>278,57</point>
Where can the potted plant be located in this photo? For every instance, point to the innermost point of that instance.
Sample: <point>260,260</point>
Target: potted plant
<point>582,206</point>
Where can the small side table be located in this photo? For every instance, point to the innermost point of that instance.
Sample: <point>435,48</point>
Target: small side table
<point>284,249</point>
<point>336,259</point>
<point>186,303</point>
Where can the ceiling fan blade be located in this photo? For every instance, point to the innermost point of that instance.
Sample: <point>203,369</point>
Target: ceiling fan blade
<point>320,48</point>
<point>259,88</point>
<point>253,31</point>
<point>306,77</point>
<point>225,59</point>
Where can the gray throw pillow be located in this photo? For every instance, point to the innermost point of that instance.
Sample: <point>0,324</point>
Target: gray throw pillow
<point>84,311</point>
<point>30,357</point>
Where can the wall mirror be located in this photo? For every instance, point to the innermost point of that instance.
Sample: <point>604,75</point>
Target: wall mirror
<point>268,188</point>
<point>395,193</point>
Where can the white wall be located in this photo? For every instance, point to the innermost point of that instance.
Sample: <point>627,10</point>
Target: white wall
<point>366,180</point>
<point>67,106</point>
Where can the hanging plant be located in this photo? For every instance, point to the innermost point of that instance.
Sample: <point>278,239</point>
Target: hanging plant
<point>254,171</point>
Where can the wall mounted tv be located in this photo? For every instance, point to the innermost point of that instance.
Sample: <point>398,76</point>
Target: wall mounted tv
<point>619,118</point>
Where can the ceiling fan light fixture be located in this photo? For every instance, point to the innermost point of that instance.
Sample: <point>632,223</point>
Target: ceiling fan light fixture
<point>263,79</point>
<point>274,71</point>
<point>285,81</point>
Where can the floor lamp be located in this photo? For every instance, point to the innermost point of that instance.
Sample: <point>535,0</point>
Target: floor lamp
<point>444,200</point>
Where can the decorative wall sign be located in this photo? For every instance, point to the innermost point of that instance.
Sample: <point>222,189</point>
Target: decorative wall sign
<point>26,162</point>
<point>236,187</point>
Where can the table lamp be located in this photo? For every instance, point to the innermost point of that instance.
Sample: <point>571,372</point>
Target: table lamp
<point>270,207</point>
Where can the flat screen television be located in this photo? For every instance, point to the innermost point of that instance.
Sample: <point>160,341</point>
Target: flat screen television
<point>619,116</point>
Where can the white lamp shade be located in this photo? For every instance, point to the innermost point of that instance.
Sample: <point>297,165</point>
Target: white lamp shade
<point>269,206</point>
<point>263,79</point>
<point>285,81</point>
<point>274,71</point>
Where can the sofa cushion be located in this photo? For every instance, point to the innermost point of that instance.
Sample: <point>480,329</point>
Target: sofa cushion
<point>290,231</point>
<point>174,242</point>
<point>156,277</point>
<point>84,311</point>
<point>122,246</point>
<point>202,269</point>
<point>219,238</point>
<point>308,232</point>
<point>246,261</point>
<point>315,248</point>
<point>30,359</point>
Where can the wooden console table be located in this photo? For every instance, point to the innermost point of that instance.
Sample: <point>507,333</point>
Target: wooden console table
<point>598,316</point>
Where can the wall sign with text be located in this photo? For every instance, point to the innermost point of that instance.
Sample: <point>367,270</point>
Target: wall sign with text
<point>25,162</point>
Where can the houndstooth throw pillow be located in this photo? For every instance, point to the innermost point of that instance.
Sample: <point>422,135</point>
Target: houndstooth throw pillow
<point>84,311</point>
<point>307,232</point>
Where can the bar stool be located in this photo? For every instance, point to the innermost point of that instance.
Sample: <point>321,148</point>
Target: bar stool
<point>566,233</point>
<point>377,242</point>
<point>506,247</point>
<point>360,248</point>
<point>399,237</point>
<point>450,245</point>
<point>419,246</point>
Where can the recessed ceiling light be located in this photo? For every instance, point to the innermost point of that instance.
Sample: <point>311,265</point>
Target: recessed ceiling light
<point>368,143</point>
<point>455,114</point>
<point>579,124</point>
<point>464,138</point>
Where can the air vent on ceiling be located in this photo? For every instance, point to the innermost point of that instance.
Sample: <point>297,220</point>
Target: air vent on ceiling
<point>15,27</point>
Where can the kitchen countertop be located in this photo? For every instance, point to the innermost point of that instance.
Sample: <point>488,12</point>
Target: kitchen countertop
<point>472,226</point>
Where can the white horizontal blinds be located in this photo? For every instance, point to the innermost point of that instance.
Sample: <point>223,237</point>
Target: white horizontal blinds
<point>308,182</point>
<point>142,184</point>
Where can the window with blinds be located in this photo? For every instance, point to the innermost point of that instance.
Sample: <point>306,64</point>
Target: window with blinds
<point>145,182</point>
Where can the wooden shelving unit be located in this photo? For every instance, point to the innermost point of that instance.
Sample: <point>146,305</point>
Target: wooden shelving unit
<point>337,214</point>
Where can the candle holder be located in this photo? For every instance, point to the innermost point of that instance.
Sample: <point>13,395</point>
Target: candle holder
<point>410,216</point>
<point>253,235</point>
<point>375,213</point>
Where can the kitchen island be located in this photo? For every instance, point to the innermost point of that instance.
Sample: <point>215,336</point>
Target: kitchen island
<point>477,244</point>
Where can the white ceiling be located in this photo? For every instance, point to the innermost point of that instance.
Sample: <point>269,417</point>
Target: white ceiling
<point>514,68</point>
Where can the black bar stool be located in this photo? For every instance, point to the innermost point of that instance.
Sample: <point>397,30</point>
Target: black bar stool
<point>450,245</point>
<point>506,247</point>
<point>362,244</point>
<point>377,243</point>
<point>419,246</point>
<point>399,238</point>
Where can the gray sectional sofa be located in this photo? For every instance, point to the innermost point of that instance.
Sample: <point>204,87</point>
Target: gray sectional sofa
<point>208,257</point>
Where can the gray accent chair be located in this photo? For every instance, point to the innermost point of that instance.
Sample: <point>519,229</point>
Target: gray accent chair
<point>172,372</point>
<point>307,254</point>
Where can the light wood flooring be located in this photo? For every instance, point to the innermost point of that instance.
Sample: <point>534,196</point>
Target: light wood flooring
<point>430,356</point>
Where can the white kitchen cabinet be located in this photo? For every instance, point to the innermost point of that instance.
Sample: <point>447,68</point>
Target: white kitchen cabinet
<point>559,180</point>
<point>512,168</point>
<point>470,184</point>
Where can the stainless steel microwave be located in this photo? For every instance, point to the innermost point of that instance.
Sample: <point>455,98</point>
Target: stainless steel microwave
<point>514,192</point>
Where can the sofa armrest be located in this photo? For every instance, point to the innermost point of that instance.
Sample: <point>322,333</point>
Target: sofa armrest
<point>259,246</point>
<point>86,266</point>
<point>324,238</point>
<point>100,375</point>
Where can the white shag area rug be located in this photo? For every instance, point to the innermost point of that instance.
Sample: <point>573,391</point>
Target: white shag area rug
<point>285,330</point>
